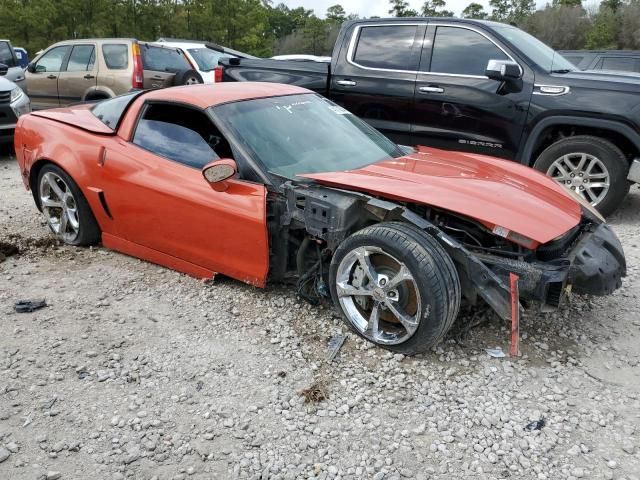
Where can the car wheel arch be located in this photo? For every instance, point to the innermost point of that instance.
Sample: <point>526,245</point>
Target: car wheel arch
<point>618,133</point>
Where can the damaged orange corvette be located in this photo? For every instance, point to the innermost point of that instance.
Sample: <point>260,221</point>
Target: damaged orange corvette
<point>272,182</point>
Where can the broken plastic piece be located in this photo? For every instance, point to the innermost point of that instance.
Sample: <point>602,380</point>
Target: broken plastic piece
<point>535,425</point>
<point>335,344</point>
<point>26,306</point>
<point>495,352</point>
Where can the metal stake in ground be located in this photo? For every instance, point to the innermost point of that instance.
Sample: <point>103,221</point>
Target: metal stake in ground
<point>515,316</point>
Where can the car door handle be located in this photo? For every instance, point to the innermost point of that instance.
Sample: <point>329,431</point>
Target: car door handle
<point>431,89</point>
<point>89,77</point>
<point>346,83</point>
<point>51,77</point>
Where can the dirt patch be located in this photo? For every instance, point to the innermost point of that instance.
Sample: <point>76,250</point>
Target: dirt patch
<point>8,249</point>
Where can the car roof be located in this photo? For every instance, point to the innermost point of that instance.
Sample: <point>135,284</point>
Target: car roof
<point>205,96</point>
<point>181,44</point>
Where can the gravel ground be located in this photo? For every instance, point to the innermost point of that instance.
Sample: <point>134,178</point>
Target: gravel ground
<point>135,371</point>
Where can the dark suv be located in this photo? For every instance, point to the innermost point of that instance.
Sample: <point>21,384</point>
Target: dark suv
<point>481,87</point>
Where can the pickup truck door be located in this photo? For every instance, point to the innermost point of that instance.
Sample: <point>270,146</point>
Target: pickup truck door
<point>456,106</point>
<point>374,75</point>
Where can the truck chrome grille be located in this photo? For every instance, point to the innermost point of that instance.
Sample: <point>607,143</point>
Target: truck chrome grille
<point>5,97</point>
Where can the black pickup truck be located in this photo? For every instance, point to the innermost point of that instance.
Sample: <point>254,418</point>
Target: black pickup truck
<point>481,87</point>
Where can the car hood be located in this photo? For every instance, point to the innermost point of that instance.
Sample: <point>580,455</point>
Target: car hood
<point>627,81</point>
<point>492,191</point>
<point>6,85</point>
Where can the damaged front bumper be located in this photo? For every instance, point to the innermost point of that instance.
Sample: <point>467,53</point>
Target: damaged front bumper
<point>595,265</point>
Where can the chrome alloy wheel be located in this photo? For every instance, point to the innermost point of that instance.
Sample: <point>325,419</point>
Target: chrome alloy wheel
<point>59,207</point>
<point>378,295</point>
<point>583,173</point>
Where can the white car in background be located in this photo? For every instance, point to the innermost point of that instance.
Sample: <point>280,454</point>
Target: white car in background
<point>204,60</point>
<point>302,58</point>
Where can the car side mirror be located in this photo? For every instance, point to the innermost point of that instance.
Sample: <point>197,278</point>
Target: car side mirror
<point>503,70</point>
<point>218,172</point>
<point>3,69</point>
<point>31,68</point>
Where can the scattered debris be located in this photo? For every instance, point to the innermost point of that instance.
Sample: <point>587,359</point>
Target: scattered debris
<point>535,425</point>
<point>7,250</point>
<point>199,385</point>
<point>282,374</point>
<point>315,393</point>
<point>335,344</point>
<point>27,306</point>
<point>495,352</point>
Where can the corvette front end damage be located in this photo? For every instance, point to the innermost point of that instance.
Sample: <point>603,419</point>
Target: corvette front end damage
<point>589,260</point>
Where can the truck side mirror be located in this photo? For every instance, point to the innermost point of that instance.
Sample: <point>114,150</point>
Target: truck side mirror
<point>3,69</point>
<point>503,70</point>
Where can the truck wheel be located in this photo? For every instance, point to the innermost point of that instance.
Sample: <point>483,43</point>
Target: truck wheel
<point>591,166</point>
<point>187,77</point>
<point>396,287</point>
<point>68,214</point>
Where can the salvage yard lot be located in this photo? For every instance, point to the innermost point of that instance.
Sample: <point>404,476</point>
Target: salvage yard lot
<point>135,371</point>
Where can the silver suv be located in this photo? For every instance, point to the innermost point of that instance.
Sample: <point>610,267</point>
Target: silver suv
<point>13,103</point>
<point>8,57</point>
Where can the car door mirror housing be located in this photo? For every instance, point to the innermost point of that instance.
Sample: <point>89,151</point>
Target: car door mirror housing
<point>31,68</point>
<point>218,172</point>
<point>3,69</point>
<point>503,70</point>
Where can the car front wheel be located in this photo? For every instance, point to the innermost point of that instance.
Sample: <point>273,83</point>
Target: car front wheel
<point>396,287</point>
<point>591,166</point>
<point>66,210</point>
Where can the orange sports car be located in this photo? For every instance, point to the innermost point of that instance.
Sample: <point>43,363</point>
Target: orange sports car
<point>273,182</point>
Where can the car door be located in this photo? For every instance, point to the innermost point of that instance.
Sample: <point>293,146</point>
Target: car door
<point>79,74</point>
<point>375,75</point>
<point>159,199</point>
<point>160,65</point>
<point>456,106</point>
<point>42,77</point>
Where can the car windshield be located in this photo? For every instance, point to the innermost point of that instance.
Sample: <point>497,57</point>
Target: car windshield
<point>539,53</point>
<point>296,134</point>
<point>206,58</point>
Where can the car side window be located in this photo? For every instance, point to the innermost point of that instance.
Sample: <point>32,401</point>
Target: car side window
<point>116,56</point>
<point>82,58</point>
<point>163,59</point>
<point>461,51</point>
<point>181,134</point>
<point>7,55</point>
<point>386,47</point>
<point>52,60</point>
<point>625,64</point>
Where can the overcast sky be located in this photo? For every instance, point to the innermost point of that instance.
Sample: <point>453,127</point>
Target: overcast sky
<point>380,8</point>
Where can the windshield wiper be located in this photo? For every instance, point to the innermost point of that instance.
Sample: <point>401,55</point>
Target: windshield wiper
<point>562,70</point>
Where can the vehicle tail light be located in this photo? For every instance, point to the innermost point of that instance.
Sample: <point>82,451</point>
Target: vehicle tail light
<point>217,74</point>
<point>138,70</point>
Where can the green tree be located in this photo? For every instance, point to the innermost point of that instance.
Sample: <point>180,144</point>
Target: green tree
<point>604,31</point>
<point>336,14</point>
<point>435,8</point>
<point>567,3</point>
<point>400,8</point>
<point>474,10</point>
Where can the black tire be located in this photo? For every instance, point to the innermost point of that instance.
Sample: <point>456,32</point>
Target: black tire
<point>611,156</point>
<point>187,77</point>
<point>89,231</point>
<point>433,272</point>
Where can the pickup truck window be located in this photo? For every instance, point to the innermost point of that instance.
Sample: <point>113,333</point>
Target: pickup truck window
<point>461,51</point>
<point>297,134</point>
<point>386,47</point>
<point>625,64</point>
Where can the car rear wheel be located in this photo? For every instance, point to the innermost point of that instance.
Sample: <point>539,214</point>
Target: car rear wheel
<point>396,287</point>
<point>187,77</point>
<point>66,210</point>
<point>591,166</point>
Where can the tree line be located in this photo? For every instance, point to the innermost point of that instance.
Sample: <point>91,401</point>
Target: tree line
<point>263,28</point>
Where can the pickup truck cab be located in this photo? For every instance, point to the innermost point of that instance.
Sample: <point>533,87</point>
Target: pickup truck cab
<point>481,87</point>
